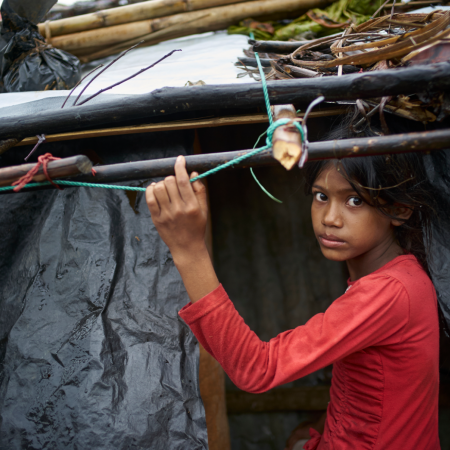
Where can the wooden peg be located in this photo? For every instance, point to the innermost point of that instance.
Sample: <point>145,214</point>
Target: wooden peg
<point>286,142</point>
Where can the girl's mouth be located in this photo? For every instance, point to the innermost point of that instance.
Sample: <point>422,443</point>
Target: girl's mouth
<point>330,241</point>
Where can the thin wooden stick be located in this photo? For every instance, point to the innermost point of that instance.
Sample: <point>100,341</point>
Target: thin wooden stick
<point>130,77</point>
<point>174,125</point>
<point>392,13</point>
<point>71,92</point>
<point>379,9</point>
<point>106,68</point>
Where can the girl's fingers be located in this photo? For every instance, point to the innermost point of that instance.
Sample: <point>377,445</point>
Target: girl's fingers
<point>161,195</point>
<point>172,190</point>
<point>152,203</point>
<point>200,192</point>
<point>184,185</point>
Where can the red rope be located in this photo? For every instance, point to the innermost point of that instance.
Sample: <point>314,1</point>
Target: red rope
<point>43,160</point>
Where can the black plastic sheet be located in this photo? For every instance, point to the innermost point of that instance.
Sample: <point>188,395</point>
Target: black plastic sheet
<point>32,10</point>
<point>438,167</point>
<point>93,354</point>
<point>27,63</point>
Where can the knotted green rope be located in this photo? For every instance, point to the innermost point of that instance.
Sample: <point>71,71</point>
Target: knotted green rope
<point>273,126</point>
<point>270,131</point>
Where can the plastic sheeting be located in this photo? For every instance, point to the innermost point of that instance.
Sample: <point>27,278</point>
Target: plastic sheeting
<point>93,354</point>
<point>438,166</point>
<point>27,63</point>
<point>32,10</point>
<point>208,57</point>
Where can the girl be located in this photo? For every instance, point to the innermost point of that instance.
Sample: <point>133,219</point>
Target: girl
<point>382,334</point>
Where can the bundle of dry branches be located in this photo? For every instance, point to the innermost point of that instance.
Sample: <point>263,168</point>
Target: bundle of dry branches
<point>382,39</point>
<point>390,41</point>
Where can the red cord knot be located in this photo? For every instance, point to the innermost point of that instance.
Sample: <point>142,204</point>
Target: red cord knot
<point>43,160</point>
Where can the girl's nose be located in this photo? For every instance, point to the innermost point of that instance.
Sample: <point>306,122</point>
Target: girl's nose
<point>332,216</point>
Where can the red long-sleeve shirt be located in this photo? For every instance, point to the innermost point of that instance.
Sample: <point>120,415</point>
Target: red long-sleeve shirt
<point>382,337</point>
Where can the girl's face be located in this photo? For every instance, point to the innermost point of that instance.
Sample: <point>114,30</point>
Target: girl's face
<point>345,226</point>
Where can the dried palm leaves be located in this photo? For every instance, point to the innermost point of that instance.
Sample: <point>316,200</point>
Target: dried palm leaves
<point>381,39</point>
<point>380,43</point>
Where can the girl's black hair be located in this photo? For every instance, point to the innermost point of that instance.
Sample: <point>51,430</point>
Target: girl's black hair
<point>385,181</point>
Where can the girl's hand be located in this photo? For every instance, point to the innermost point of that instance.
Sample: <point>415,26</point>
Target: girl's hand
<point>179,210</point>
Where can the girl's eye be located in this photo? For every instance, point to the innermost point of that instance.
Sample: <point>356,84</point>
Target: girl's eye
<point>320,197</point>
<point>355,201</point>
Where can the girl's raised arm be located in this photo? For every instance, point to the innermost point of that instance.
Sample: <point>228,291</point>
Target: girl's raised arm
<point>179,211</point>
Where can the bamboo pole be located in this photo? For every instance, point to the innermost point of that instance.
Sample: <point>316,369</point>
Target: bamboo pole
<point>127,14</point>
<point>66,167</point>
<point>187,23</point>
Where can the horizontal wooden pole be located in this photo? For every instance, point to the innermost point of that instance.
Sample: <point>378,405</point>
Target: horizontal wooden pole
<point>160,102</point>
<point>400,143</point>
<point>425,141</point>
<point>175,125</point>
<point>308,398</point>
<point>164,166</point>
<point>66,167</point>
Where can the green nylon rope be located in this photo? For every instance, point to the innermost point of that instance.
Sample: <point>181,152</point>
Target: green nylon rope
<point>273,126</point>
<point>268,145</point>
<point>269,115</point>
<point>76,183</point>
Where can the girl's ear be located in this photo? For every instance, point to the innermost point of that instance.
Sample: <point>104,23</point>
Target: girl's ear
<point>402,214</point>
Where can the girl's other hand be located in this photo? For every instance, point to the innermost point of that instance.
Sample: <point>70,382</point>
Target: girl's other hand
<point>179,210</point>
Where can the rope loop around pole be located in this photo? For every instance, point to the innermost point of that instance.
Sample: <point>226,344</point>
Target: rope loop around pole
<point>280,123</point>
<point>270,132</point>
